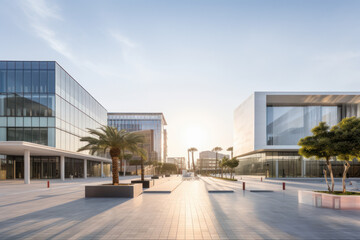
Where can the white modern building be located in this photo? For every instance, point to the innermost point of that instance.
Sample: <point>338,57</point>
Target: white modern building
<point>268,126</point>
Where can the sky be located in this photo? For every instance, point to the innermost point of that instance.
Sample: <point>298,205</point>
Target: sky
<point>195,61</point>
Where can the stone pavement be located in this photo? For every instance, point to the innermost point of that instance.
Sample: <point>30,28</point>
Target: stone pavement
<point>189,212</point>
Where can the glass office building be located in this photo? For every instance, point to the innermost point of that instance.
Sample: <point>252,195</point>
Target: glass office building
<point>268,126</point>
<point>41,103</point>
<point>144,121</point>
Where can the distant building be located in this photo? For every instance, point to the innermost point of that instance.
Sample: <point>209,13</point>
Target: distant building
<point>178,161</point>
<point>154,123</point>
<point>207,160</point>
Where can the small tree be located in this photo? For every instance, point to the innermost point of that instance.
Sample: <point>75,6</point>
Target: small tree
<point>232,163</point>
<point>168,168</point>
<point>192,150</point>
<point>347,143</point>
<point>223,164</point>
<point>321,146</point>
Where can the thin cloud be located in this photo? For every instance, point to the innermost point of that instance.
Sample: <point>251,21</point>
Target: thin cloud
<point>124,41</point>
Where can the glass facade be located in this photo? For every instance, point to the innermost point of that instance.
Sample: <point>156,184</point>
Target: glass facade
<point>287,124</point>
<point>41,103</point>
<point>289,164</point>
<point>140,122</point>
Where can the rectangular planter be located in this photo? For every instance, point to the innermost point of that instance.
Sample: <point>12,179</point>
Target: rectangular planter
<point>326,200</point>
<point>146,183</point>
<point>112,191</point>
<point>167,175</point>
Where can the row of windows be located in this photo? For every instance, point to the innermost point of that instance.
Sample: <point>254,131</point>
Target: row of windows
<point>27,81</point>
<point>28,105</point>
<point>43,65</point>
<point>27,122</point>
<point>71,91</point>
<point>44,136</point>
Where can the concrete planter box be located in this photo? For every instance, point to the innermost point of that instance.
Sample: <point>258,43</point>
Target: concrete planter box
<point>326,200</point>
<point>145,184</point>
<point>167,175</point>
<point>112,191</point>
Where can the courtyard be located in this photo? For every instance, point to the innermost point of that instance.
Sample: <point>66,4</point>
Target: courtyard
<point>189,212</point>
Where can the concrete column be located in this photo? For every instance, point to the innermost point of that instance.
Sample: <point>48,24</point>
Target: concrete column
<point>277,168</point>
<point>62,168</point>
<point>85,168</point>
<point>27,167</point>
<point>102,169</point>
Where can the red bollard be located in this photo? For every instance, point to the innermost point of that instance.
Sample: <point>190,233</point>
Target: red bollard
<point>283,186</point>
<point>48,184</point>
<point>244,186</point>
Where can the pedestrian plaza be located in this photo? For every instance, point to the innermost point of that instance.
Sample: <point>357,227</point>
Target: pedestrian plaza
<point>188,212</point>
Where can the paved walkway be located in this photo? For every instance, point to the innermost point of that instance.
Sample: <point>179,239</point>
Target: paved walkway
<point>189,212</point>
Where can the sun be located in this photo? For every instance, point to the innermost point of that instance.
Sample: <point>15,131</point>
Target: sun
<point>195,136</point>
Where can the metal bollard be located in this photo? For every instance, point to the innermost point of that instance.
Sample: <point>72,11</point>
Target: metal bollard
<point>283,186</point>
<point>48,184</point>
<point>244,186</point>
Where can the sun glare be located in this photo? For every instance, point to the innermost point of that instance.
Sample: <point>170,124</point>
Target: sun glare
<point>195,136</point>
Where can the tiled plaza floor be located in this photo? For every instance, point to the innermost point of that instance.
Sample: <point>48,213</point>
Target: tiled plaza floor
<point>189,212</point>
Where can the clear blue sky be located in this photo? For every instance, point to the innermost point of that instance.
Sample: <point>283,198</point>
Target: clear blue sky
<point>196,61</point>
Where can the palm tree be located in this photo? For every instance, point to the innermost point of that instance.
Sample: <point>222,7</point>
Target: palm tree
<point>192,150</point>
<point>104,139</point>
<point>216,150</point>
<point>143,156</point>
<point>230,149</point>
<point>188,158</point>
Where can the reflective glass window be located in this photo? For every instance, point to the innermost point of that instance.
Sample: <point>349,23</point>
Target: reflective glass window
<point>43,65</point>
<point>35,65</point>
<point>11,121</point>
<point>287,124</point>
<point>2,65</point>
<point>11,134</point>
<point>19,134</point>
<point>51,65</point>
<point>36,135</point>
<point>35,105</point>
<point>11,105</point>
<point>2,104</point>
<point>27,134</point>
<point>51,81</point>
<point>35,78</point>
<point>19,82</point>
<point>43,81</point>
<point>19,121</point>
<point>19,65</point>
<point>27,65</point>
<point>3,87</point>
<point>11,81</point>
<point>10,65</point>
<point>3,134</point>
<point>27,110</point>
<point>43,105</point>
<point>27,81</point>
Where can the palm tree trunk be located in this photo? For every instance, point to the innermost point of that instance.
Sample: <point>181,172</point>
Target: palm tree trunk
<point>142,169</point>
<point>346,169</point>
<point>192,153</point>
<point>222,172</point>
<point>115,171</point>
<point>189,160</point>
<point>136,169</point>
